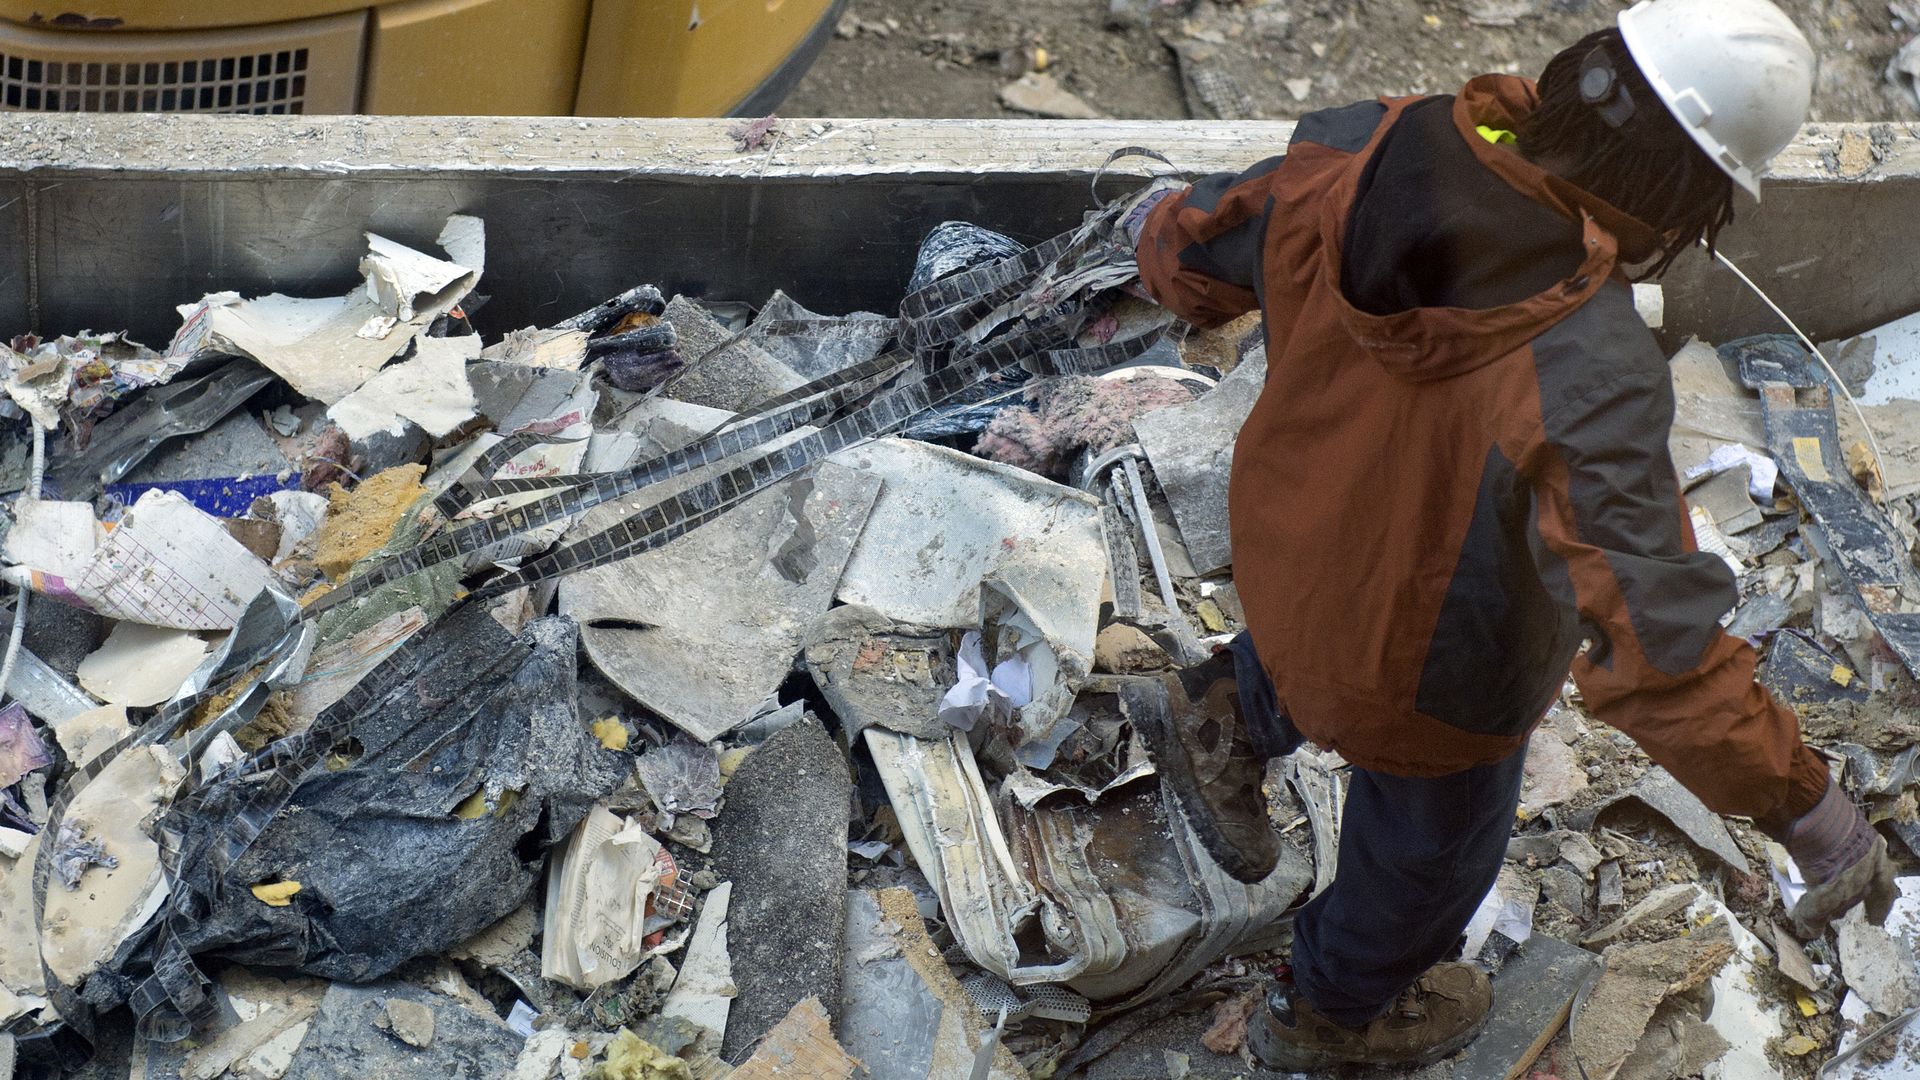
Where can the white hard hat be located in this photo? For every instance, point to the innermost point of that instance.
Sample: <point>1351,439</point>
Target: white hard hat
<point>1736,74</point>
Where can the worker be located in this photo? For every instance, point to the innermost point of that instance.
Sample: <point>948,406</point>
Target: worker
<point>1456,475</point>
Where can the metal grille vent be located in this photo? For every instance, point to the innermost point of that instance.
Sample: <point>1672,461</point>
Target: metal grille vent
<point>309,66</point>
<point>274,82</point>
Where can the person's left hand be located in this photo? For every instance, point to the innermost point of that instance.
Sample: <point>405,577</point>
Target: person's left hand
<point>1845,863</point>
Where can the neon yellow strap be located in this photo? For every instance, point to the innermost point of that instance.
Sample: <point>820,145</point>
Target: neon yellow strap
<point>1495,135</point>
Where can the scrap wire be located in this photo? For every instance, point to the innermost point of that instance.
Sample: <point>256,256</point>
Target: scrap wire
<point>1873,444</point>
<point>19,631</point>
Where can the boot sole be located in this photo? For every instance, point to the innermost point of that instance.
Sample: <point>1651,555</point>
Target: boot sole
<point>1146,704</point>
<point>1273,1052</point>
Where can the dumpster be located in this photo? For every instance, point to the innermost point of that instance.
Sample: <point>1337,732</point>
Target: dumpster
<point>833,742</point>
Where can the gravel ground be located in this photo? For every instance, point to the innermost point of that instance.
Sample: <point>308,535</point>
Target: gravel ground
<point>1275,59</point>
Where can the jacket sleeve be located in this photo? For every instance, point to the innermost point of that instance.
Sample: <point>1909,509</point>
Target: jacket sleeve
<point>1614,532</point>
<point>1199,251</point>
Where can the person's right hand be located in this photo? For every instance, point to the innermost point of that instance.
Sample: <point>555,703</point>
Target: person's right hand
<point>1844,862</point>
<point>1133,214</point>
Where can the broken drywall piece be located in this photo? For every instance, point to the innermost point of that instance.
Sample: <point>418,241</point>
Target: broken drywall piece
<point>327,348</point>
<point>1190,448</point>
<point>503,942</point>
<point>1553,773</point>
<point>558,348</point>
<point>140,665</point>
<point>1656,905</point>
<point>1676,1043</point>
<point>1659,791</point>
<point>597,898</point>
<point>995,548</point>
<point>703,629</point>
<point>50,543</point>
<point>13,1006</point>
<point>1535,990</point>
<point>1711,408</point>
<point>800,1045</point>
<point>81,928</point>
<point>873,670</point>
<point>20,970</point>
<point>1878,964</point>
<point>704,992</point>
<point>1638,977</point>
<point>430,390</point>
<point>967,521</point>
<point>265,1007</point>
<point>1791,956</point>
<point>409,1021</point>
<point>85,736</point>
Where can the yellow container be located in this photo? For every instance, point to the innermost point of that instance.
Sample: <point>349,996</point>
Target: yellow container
<point>415,57</point>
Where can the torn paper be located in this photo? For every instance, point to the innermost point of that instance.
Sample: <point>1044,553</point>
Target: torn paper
<point>597,895</point>
<point>1731,456</point>
<point>326,348</point>
<point>977,693</point>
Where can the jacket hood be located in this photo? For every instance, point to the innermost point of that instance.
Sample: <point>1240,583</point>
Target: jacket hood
<point>1420,341</point>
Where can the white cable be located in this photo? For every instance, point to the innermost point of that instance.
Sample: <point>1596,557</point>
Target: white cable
<point>1873,444</point>
<point>20,601</point>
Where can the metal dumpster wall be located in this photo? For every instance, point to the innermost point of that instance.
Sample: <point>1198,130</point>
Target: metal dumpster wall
<point>108,222</point>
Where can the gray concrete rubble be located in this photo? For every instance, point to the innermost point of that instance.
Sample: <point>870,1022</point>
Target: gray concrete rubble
<point>669,688</point>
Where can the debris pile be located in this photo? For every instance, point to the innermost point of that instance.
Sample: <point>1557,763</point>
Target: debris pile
<point>689,690</point>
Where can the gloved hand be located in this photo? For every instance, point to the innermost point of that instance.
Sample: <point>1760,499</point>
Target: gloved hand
<point>1844,861</point>
<point>1136,207</point>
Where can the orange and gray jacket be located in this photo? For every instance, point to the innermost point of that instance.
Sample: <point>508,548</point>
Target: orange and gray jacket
<point>1457,472</point>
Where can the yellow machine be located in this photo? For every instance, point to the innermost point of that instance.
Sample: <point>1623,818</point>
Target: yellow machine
<point>420,57</point>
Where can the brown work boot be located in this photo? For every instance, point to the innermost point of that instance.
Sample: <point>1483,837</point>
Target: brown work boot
<point>1433,1018</point>
<point>1192,724</point>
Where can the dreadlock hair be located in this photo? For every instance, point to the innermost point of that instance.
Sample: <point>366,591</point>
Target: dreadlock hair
<point>1646,166</point>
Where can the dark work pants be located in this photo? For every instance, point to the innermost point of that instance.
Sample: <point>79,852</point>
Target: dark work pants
<point>1417,855</point>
